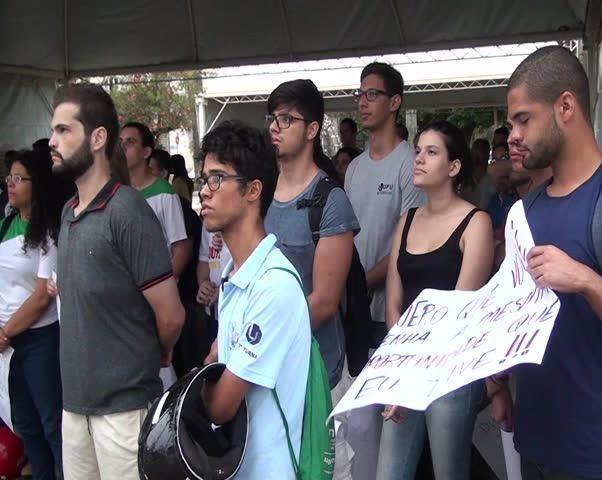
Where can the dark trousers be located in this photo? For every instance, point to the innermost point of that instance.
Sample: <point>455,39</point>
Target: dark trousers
<point>35,398</point>
<point>195,339</point>
<point>536,471</point>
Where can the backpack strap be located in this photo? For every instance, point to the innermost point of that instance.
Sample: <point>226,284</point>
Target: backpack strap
<point>288,437</point>
<point>316,205</point>
<point>6,224</point>
<point>291,451</point>
<point>597,230</point>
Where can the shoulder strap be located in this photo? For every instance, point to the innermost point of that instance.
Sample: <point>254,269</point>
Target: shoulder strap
<point>464,223</point>
<point>406,227</point>
<point>597,230</point>
<point>316,205</point>
<point>6,225</point>
<point>288,437</point>
<point>275,395</point>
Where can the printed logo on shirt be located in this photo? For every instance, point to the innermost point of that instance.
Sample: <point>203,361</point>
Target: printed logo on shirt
<point>253,334</point>
<point>385,189</point>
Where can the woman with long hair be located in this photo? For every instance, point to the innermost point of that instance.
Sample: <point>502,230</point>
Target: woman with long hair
<point>28,315</point>
<point>181,182</point>
<point>445,244</point>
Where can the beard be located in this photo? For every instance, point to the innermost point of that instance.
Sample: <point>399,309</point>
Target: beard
<point>76,165</point>
<point>546,149</point>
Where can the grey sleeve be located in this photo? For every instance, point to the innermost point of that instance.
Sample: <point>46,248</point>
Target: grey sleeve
<point>349,174</point>
<point>141,242</point>
<point>338,215</point>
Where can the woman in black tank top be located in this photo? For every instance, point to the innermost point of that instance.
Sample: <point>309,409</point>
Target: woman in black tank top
<point>445,244</point>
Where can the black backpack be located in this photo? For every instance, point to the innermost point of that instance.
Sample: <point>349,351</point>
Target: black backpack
<point>596,221</point>
<point>356,315</point>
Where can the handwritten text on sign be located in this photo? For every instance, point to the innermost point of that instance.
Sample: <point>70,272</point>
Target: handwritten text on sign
<point>447,339</point>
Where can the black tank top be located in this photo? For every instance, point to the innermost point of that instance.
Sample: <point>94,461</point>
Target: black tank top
<point>438,269</point>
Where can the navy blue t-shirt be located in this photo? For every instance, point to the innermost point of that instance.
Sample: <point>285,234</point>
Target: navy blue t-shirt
<point>558,418</point>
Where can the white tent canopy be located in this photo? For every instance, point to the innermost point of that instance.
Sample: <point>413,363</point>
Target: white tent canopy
<point>63,38</point>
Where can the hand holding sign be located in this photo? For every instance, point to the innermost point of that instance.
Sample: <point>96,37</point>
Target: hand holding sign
<point>551,268</point>
<point>447,339</point>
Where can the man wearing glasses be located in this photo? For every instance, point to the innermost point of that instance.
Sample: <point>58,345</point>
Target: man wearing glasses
<point>294,121</point>
<point>379,185</point>
<point>264,332</point>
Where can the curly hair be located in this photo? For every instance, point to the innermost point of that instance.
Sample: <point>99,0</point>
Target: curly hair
<point>249,152</point>
<point>46,202</point>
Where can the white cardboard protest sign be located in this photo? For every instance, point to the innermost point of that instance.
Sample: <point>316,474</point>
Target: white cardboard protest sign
<point>5,357</point>
<point>447,339</point>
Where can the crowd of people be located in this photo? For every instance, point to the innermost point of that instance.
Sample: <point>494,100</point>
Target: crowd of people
<point>112,287</point>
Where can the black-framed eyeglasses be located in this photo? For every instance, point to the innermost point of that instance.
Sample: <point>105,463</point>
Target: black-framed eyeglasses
<point>214,181</point>
<point>16,179</point>
<point>283,120</point>
<point>371,94</point>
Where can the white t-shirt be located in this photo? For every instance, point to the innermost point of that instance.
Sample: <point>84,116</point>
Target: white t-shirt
<point>19,271</point>
<point>217,259</point>
<point>380,191</point>
<point>164,201</point>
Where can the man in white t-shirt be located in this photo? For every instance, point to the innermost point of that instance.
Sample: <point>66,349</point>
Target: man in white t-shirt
<point>137,142</point>
<point>379,185</point>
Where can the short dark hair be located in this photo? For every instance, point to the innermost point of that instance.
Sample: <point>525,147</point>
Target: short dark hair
<point>163,159</point>
<point>41,144</point>
<point>482,146</point>
<point>9,156</point>
<point>148,139</point>
<point>391,77</point>
<point>502,131</point>
<point>96,109</point>
<point>351,151</point>
<point>304,96</point>
<point>402,131</point>
<point>457,148</point>
<point>548,72</point>
<point>350,122</point>
<point>249,152</point>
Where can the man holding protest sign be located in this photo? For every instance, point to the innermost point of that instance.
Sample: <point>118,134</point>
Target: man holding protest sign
<point>558,420</point>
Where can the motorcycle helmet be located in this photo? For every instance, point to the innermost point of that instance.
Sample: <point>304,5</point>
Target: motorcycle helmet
<point>178,441</point>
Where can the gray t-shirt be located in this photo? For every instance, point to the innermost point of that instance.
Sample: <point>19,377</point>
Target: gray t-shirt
<point>107,256</point>
<point>380,191</point>
<point>291,227</point>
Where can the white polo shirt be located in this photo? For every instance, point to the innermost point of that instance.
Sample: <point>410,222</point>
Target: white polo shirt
<point>19,271</point>
<point>264,338</point>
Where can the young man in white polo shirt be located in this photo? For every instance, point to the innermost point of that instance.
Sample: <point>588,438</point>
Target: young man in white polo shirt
<point>264,328</point>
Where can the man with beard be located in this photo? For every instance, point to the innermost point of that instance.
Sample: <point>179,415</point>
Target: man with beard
<point>558,421</point>
<point>120,313</point>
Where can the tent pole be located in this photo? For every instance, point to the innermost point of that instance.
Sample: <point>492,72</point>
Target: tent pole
<point>219,114</point>
<point>66,40</point>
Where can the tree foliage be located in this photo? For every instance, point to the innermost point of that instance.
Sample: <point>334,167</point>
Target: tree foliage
<point>162,101</point>
<point>474,122</point>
